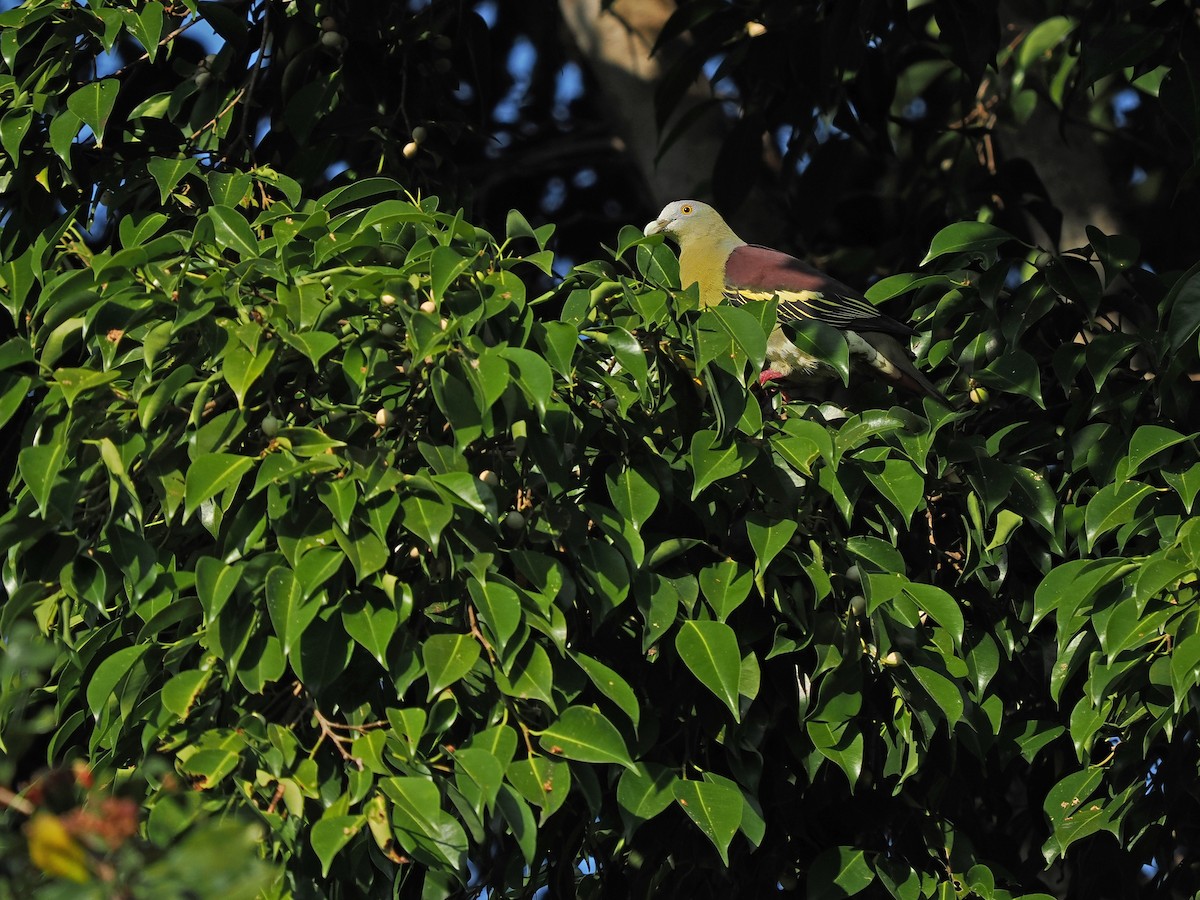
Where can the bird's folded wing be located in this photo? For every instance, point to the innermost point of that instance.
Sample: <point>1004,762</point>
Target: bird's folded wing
<point>754,273</point>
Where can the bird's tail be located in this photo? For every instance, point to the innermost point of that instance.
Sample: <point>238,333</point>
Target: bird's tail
<point>892,362</point>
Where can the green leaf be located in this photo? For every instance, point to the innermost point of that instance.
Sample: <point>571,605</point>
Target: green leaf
<point>93,103</point>
<point>941,606</point>
<point>147,27</point>
<point>978,238</point>
<point>102,687</point>
<point>1185,661</point>
<point>1071,814</point>
<point>726,585</point>
<point>727,332</point>
<point>232,231</point>
<point>315,345</point>
<point>643,792</point>
<point>1112,506</point>
<point>536,378</point>
<point>1145,443</point>
<point>447,658</point>
<point>212,473</point>
<point>445,264</point>
<point>181,691</point>
<point>945,693</point>
<point>611,685</point>
<point>39,467</point>
<point>13,128</point>
<point>1182,303</point>
<point>241,367</point>
<point>478,775</point>
<point>802,443</point>
<point>499,609</point>
<point>169,172</point>
<point>371,621</point>
<point>583,734</point>
<point>821,342</point>
<point>714,459</point>
<point>1015,372</point>
<point>901,484</point>
<point>330,834</point>
<point>542,781</point>
<point>634,495</point>
<point>426,517</point>
<point>215,581</point>
<point>74,382</point>
<point>710,651</point>
<point>715,808</point>
<point>291,613</point>
<point>768,538</point>
<point>838,872</point>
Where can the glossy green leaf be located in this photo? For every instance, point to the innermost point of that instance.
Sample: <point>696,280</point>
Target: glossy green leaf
<point>714,459</point>
<point>839,872</point>
<point>330,834</point>
<point>611,685</point>
<point>372,623</point>
<point>643,792</point>
<point>978,238</point>
<point>710,651</point>
<point>1113,506</point>
<point>447,658</point>
<point>102,686</point>
<point>583,734</point>
<point>725,585</point>
<point>93,103</point>
<point>715,808</point>
<point>291,613</point>
<point>212,474</point>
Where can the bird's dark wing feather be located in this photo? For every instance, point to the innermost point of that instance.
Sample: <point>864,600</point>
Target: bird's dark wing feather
<point>754,273</point>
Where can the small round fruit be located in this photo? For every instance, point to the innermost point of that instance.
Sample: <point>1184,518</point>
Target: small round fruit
<point>441,42</point>
<point>329,23</point>
<point>414,553</point>
<point>410,149</point>
<point>490,478</point>
<point>388,329</point>
<point>420,134</point>
<point>858,605</point>
<point>270,426</point>
<point>979,395</point>
<point>611,404</point>
<point>428,307</point>
<point>514,521</point>
<point>854,574</point>
<point>893,659</point>
<point>441,65</point>
<point>388,299</point>
<point>333,40</point>
<point>383,418</point>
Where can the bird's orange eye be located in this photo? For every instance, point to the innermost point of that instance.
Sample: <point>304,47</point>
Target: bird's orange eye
<point>686,209</point>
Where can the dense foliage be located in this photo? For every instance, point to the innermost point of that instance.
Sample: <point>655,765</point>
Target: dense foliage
<point>339,528</point>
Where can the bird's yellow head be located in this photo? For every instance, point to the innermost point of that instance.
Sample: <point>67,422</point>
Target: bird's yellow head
<point>694,223</point>
<point>686,217</point>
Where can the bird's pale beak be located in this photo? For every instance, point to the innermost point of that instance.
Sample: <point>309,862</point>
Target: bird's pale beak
<point>655,227</point>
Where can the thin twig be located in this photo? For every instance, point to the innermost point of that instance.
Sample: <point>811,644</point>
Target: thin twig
<point>219,116</point>
<point>16,801</point>
<point>170,37</point>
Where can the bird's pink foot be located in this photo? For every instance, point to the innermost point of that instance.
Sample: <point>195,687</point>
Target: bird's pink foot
<point>768,375</point>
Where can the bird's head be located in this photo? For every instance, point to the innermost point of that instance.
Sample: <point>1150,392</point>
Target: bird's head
<point>685,220</point>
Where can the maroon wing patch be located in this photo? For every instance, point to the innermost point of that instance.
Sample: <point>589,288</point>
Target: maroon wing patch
<point>759,273</point>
